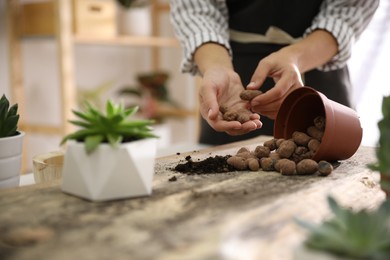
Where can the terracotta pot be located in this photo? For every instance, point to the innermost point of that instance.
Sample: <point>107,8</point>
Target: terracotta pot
<point>343,132</point>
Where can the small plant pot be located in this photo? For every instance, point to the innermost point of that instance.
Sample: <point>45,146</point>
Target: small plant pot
<point>136,21</point>
<point>343,132</point>
<point>109,173</point>
<point>10,160</point>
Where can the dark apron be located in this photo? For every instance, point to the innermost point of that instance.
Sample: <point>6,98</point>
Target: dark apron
<point>256,16</point>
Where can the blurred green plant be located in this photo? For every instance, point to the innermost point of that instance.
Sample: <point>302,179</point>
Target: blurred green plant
<point>95,95</point>
<point>383,148</point>
<point>358,235</point>
<point>113,127</point>
<point>9,118</point>
<point>151,94</point>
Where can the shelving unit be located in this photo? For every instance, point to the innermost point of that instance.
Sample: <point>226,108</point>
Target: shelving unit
<point>66,40</point>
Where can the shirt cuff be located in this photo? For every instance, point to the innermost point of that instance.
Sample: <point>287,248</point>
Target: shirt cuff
<point>193,43</point>
<point>344,36</point>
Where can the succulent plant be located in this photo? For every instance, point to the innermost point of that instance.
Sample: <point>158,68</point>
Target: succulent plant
<point>383,149</point>
<point>9,118</point>
<point>113,127</point>
<point>355,234</point>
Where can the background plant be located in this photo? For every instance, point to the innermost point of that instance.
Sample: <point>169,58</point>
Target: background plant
<point>113,127</point>
<point>383,149</point>
<point>360,235</point>
<point>152,95</point>
<point>9,118</point>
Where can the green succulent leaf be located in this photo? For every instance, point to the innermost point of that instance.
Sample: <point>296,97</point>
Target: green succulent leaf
<point>9,118</point>
<point>113,127</point>
<point>110,109</point>
<point>92,142</point>
<point>80,123</point>
<point>83,116</point>
<point>382,164</point>
<point>131,111</point>
<point>114,139</point>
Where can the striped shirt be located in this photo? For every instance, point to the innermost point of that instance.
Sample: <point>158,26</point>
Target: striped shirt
<point>197,22</point>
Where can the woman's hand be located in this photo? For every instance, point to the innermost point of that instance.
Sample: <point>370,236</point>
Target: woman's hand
<point>221,86</point>
<point>283,68</point>
<point>286,66</point>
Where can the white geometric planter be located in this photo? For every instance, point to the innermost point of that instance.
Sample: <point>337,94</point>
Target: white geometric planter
<point>109,173</point>
<point>10,160</point>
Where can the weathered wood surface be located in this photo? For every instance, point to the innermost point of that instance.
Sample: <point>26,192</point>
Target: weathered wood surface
<point>236,215</point>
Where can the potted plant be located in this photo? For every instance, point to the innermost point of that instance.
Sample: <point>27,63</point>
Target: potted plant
<point>383,148</point>
<point>348,235</point>
<point>11,144</point>
<point>152,96</point>
<point>111,156</point>
<point>135,17</point>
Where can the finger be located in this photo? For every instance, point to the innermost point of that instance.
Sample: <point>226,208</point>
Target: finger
<point>270,109</point>
<point>246,127</point>
<point>255,116</point>
<point>208,105</point>
<point>269,97</point>
<point>283,86</point>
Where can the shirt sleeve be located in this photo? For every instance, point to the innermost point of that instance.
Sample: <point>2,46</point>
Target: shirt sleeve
<point>197,22</point>
<point>345,20</point>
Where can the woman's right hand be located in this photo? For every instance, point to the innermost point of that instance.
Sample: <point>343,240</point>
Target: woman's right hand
<point>221,86</point>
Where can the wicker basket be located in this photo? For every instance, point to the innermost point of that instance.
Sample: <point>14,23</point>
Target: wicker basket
<point>48,167</point>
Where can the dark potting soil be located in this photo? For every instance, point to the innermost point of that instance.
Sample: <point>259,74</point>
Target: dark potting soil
<point>216,164</point>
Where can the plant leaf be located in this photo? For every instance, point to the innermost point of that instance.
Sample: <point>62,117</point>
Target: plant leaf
<point>110,109</point>
<point>114,139</point>
<point>92,142</point>
<point>13,110</point>
<point>80,123</point>
<point>112,127</point>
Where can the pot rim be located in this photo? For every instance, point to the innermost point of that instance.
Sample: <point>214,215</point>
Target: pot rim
<point>18,135</point>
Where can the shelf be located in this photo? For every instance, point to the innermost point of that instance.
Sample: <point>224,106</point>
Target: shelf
<point>58,20</point>
<point>41,129</point>
<point>141,41</point>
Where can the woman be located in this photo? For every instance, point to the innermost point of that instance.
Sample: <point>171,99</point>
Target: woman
<point>272,45</point>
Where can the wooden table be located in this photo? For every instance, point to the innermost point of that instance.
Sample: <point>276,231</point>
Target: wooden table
<point>235,215</point>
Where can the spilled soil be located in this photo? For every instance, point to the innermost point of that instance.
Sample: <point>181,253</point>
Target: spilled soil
<point>216,164</point>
